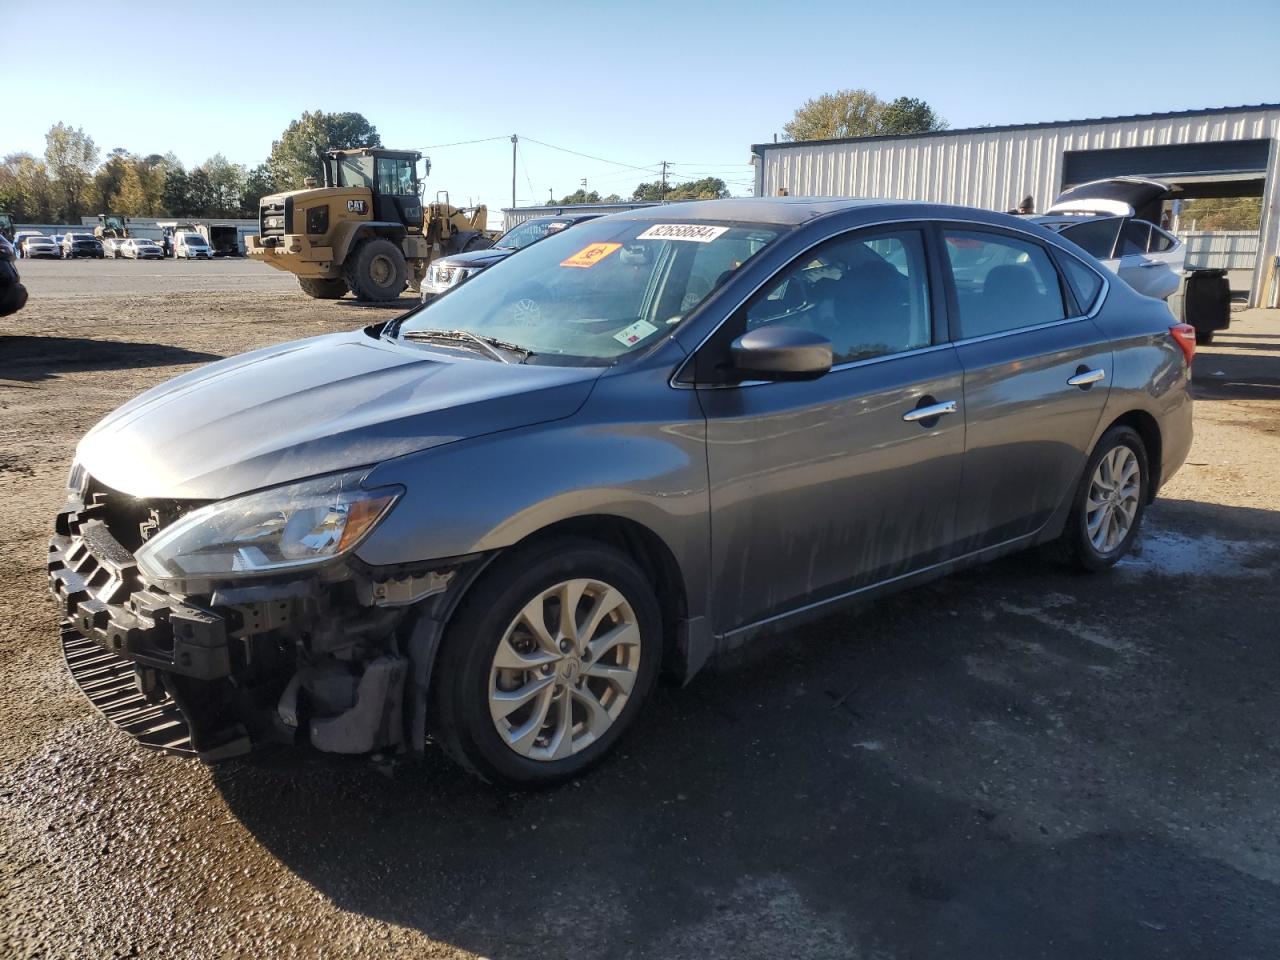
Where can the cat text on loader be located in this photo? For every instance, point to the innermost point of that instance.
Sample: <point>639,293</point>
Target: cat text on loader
<point>365,230</point>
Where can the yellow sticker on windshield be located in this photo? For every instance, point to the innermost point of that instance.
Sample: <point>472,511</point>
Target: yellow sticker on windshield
<point>590,255</point>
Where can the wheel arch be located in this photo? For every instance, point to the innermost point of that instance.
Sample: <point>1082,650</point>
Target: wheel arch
<point>1148,428</point>
<point>351,235</point>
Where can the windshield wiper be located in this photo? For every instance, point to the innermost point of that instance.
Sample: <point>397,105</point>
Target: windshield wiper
<point>491,345</point>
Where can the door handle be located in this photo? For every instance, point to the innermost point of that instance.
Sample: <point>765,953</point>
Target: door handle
<point>930,412</point>
<point>1087,378</point>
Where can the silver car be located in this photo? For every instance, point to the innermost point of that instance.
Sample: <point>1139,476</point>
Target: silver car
<point>494,520</point>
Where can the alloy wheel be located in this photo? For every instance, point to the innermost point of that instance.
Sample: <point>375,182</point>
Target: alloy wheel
<point>1112,506</point>
<point>564,669</point>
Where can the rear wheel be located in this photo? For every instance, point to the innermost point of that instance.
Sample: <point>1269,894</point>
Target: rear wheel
<point>1109,503</point>
<point>322,289</point>
<point>547,663</point>
<point>376,270</point>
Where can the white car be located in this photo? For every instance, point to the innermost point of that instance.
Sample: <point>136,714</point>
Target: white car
<point>38,245</point>
<point>136,248</point>
<point>111,247</point>
<point>1102,218</point>
<point>191,246</point>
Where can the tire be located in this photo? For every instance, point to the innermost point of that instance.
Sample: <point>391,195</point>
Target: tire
<point>468,678</point>
<point>1204,338</point>
<point>323,289</point>
<point>1078,545</point>
<point>376,270</point>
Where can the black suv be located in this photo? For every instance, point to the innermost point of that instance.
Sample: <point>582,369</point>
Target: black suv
<point>82,245</point>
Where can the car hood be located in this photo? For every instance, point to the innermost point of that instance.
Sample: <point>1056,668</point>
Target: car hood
<point>476,258</point>
<point>312,407</point>
<point>1119,196</point>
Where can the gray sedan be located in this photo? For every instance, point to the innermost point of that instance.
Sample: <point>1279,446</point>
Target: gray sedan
<point>493,521</point>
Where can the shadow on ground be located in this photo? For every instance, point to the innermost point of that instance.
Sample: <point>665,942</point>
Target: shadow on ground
<point>1237,376</point>
<point>31,359</point>
<point>1014,762</point>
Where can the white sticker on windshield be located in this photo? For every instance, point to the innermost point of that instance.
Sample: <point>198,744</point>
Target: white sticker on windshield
<point>634,333</point>
<point>697,232</point>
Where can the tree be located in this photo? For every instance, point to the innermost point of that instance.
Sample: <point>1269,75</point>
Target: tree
<point>71,157</point>
<point>299,151</point>
<point>174,196</point>
<point>909,115</point>
<point>708,188</point>
<point>845,113</point>
<point>578,196</point>
<point>1221,213</point>
<point>860,113</point>
<point>200,196</point>
<point>258,183</point>
<point>226,183</point>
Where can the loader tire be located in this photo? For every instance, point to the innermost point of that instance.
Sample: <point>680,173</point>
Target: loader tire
<point>376,270</point>
<point>322,289</point>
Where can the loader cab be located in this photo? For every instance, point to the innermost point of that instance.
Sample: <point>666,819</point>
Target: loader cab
<point>391,176</point>
<point>6,227</point>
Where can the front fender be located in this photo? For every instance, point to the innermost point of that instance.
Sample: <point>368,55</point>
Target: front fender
<point>636,451</point>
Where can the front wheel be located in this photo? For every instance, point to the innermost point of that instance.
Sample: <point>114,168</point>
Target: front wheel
<point>376,270</point>
<point>1109,503</point>
<point>322,289</point>
<point>547,663</point>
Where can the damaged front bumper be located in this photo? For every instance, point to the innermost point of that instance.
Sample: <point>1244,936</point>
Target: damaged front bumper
<point>339,658</point>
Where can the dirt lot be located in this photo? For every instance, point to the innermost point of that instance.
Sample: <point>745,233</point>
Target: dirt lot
<point>1015,762</point>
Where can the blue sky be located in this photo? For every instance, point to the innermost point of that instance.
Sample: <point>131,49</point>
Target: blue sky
<point>695,83</point>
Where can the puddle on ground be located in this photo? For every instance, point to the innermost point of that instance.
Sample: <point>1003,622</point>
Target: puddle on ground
<point>1171,554</point>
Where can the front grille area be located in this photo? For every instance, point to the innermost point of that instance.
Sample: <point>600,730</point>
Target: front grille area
<point>271,220</point>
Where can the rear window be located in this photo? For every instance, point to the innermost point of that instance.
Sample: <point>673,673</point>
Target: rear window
<point>1160,241</point>
<point>1096,237</point>
<point>1002,283</point>
<point>1133,238</point>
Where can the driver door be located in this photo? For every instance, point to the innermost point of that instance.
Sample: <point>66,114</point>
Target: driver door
<point>822,487</point>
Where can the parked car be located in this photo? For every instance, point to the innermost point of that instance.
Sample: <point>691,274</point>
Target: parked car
<point>139,248</point>
<point>450,271</point>
<point>111,246</point>
<point>639,443</point>
<point>57,238</point>
<point>191,246</point>
<point>1101,218</point>
<point>13,295</point>
<point>39,247</point>
<point>19,238</point>
<point>82,245</point>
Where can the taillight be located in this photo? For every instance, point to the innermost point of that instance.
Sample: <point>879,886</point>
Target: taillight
<point>1184,335</point>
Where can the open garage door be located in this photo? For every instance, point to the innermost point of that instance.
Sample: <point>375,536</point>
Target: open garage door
<point>1196,161</point>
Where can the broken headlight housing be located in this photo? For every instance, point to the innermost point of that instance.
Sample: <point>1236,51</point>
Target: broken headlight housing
<point>286,528</point>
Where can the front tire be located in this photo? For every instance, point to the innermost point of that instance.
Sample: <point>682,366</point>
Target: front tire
<point>1109,503</point>
<point>376,270</point>
<point>322,289</point>
<point>547,663</point>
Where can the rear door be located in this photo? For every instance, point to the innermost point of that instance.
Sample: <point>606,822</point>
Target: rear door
<point>1147,261</point>
<point>824,486</point>
<point>1036,377</point>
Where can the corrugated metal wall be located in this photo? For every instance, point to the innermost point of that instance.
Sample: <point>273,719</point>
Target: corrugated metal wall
<point>997,169</point>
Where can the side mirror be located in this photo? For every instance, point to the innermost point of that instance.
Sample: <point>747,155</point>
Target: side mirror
<point>780,353</point>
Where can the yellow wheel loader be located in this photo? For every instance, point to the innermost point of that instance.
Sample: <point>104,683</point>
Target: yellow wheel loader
<point>365,229</point>
<point>111,226</point>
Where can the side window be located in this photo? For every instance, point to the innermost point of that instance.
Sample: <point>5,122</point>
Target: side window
<point>866,293</point>
<point>1084,282</point>
<point>1133,238</point>
<point>1096,237</point>
<point>1002,283</point>
<point>395,177</point>
<point>1160,241</point>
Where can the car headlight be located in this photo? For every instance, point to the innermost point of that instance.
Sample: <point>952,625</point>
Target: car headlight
<point>285,528</point>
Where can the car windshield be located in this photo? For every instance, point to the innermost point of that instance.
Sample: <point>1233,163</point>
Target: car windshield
<point>531,231</point>
<point>598,292</point>
<point>144,243</point>
<point>193,240</point>
<point>80,236</point>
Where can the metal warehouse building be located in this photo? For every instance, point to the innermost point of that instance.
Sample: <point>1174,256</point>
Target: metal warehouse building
<point>1225,152</point>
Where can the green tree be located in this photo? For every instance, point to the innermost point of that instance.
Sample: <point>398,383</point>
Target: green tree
<point>578,196</point>
<point>257,184</point>
<point>25,189</point>
<point>708,188</point>
<point>860,113</point>
<point>71,157</point>
<point>109,177</point>
<point>300,149</point>
<point>845,113</point>
<point>1224,213</point>
<point>175,194</point>
<point>200,194</point>
<point>226,184</point>
<point>909,115</point>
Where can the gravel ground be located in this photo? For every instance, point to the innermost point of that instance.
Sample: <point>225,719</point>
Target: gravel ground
<point>1015,762</point>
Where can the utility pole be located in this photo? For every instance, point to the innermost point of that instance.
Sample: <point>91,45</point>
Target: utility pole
<point>662,191</point>
<point>514,140</point>
<point>551,197</point>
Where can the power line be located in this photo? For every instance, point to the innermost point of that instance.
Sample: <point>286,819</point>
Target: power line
<point>462,143</point>
<point>576,153</point>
